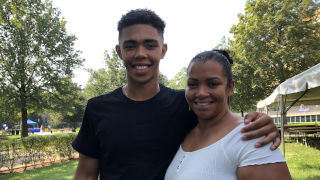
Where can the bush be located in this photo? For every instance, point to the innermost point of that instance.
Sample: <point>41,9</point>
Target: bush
<point>11,154</point>
<point>312,141</point>
<point>35,149</point>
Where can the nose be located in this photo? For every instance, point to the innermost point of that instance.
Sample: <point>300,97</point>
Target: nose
<point>202,92</point>
<point>140,53</point>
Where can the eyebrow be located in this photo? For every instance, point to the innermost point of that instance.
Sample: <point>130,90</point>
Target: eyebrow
<point>208,79</point>
<point>130,41</point>
<point>150,41</point>
<point>144,41</point>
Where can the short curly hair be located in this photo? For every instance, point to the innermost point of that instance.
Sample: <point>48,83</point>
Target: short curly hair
<point>141,16</point>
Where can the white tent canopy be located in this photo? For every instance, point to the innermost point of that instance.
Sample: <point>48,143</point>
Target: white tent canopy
<point>303,88</point>
<point>295,87</point>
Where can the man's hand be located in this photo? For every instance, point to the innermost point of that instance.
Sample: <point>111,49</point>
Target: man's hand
<point>260,124</point>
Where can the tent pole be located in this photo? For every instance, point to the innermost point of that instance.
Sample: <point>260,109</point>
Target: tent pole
<point>287,109</point>
<point>282,123</point>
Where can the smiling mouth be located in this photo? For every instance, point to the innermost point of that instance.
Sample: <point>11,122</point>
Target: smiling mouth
<point>203,103</point>
<point>141,67</point>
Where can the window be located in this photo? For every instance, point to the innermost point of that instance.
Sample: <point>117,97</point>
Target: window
<point>303,119</point>
<point>313,118</point>
<point>293,119</point>
<point>298,119</point>
<point>276,120</point>
<point>307,118</point>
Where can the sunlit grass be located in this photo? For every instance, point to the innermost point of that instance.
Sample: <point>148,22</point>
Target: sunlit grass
<point>61,171</point>
<point>303,162</point>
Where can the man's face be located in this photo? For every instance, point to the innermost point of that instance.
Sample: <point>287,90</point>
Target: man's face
<point>141,48</point>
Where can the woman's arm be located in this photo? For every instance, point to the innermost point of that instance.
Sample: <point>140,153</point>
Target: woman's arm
<point>272,171</point>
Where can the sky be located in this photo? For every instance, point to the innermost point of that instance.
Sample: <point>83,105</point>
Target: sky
<point>191,27</point>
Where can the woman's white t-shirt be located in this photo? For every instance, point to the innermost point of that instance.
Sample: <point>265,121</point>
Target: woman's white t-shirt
<point>221,159</point>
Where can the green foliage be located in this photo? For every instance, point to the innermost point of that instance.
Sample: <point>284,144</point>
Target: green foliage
<point>36,53</point>
<point>310,141</point>
<point>224,44</point>
<point>67,104</point>
<point>8,112</point>
<point>62,144</point>
<point>11,154</point>
<point>106,79</point>
<point>273,41</point>
<point>35,149</point>
<point>179,80</point>
<point>56,120</point>
<point>245,94</point>
<point>163,79</point>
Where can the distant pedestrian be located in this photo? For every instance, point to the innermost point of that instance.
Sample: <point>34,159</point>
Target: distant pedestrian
<point>49,129</point>
<point>41,128</point>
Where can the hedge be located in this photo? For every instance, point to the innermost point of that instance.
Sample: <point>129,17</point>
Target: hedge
<point>35,150</point>
<point>311,141</point>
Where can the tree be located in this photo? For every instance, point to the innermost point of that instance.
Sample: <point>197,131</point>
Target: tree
<point>245,93</point>
<point>8,112</point>
<point>36,53</point>
<point>106,79</point>
<point>179,80</point>
<point>68,103</point>
<point>224,44</point>
<point>273,41</point>
<point>163,79</point>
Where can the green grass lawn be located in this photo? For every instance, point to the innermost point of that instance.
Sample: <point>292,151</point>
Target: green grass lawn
<point>61,171</point>
<point>303,163</point>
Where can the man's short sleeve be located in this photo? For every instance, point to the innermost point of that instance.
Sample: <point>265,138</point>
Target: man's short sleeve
<point>86,141</point>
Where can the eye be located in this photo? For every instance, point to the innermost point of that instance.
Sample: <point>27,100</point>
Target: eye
<point>192,85</point>
<point>129,47</point>
<point>213,84</point>
<point>151,45</point>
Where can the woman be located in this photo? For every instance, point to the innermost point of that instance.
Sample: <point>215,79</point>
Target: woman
<point>214,149</point>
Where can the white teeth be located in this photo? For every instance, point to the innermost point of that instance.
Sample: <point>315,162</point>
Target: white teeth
<point>141,67</point>
<point>202,104</point>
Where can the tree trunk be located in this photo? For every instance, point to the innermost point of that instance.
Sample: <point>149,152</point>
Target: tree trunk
<point>24,118</point>
<point>24,111</point>
<point>242,113</point>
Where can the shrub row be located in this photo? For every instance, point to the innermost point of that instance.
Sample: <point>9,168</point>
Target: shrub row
<point>307,140</point>
<point>35,150</point>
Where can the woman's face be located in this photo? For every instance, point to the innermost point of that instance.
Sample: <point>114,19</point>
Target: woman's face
<point>207,92</point>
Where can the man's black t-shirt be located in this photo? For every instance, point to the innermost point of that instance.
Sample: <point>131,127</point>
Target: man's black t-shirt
<point>134,139</point>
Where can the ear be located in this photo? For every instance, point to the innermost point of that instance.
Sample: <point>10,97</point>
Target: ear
<point>231,88</point>
<point>164,50</point>
<point>118,51</point>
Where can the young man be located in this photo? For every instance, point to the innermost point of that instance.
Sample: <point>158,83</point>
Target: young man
<point>134,131</point>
